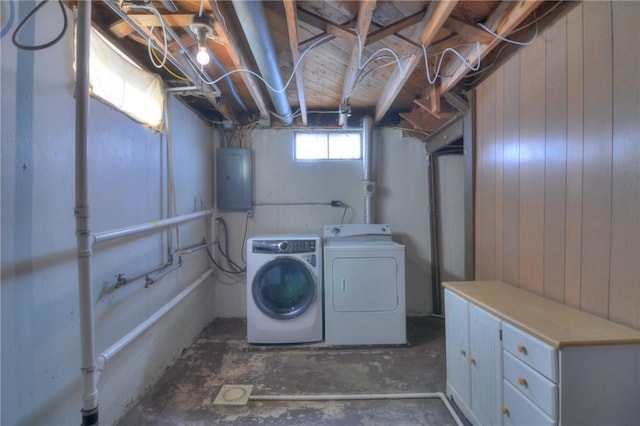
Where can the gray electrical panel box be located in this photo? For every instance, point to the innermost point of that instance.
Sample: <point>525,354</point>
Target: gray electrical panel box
<point>234,179</point>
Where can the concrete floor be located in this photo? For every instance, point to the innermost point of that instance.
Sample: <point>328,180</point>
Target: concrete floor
<point>221,355</point>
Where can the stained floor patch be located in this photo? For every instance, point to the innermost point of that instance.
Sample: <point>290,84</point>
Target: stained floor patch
<point>233,395</point>
<point>221,356</point>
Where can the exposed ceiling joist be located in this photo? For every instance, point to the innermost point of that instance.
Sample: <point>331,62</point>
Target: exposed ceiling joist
<point>394,28</point>
<point>364,21</point>
<point>437,13</point>
<point>292,28</point>
<point>506,17</point>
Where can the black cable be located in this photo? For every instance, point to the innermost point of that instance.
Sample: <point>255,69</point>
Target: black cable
<point>344,213</point>
<point>230,261</point>
<point>14,37</point>
<point>244,239</point>
<point>218,266</point>
<point>12,13</point>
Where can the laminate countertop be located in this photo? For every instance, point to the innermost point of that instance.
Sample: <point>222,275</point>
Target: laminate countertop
<point>552,322</point>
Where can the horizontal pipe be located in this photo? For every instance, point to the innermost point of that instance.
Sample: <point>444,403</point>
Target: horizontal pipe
<point>194,248</point>
<point>101,237</point>
<point>150,280</point>
<point>104,357</point>
<point>357,397</point>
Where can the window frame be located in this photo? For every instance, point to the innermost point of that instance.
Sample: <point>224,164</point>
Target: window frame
<point>327,134</point>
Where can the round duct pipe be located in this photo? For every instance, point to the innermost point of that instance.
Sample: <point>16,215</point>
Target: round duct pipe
<point>368,183</point>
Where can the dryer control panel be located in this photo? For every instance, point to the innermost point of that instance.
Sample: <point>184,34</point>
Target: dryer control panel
<point>284,246</point>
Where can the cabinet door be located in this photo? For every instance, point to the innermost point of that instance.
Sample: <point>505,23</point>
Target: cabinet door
<point>485,361</point>
<point>457,346</point>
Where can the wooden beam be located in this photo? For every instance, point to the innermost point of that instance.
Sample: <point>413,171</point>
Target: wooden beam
<point>292,26</point>
<point>122,29</point>
<point>437,14</point>
<point>341,31</point>
<point>468,32</point>
<point>229,37</point>
<point>398,26</point>
<point>364,21</point>
<point>318,40</point>
<point>506,17</point>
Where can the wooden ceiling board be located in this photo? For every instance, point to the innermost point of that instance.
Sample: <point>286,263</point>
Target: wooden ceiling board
<point>323,77</point>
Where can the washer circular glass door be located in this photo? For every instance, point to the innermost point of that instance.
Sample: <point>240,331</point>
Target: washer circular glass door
<point>283,288</point>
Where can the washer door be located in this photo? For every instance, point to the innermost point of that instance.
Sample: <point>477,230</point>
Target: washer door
<point>283,288</point>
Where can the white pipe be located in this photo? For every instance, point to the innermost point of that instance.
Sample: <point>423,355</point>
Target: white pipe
<point>357,397</point>
<point>157,224</point>
<point>104,357</point>
<point>83,234</point>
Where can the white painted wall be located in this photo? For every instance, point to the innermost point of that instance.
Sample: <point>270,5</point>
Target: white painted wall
<point>451,193</point>
<point>127,176</point>
<point>401,201</point>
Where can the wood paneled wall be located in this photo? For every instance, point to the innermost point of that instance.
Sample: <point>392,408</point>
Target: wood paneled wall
<point>558,164</point>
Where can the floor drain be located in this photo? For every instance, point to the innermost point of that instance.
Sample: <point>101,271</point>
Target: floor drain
<point>233,395</point>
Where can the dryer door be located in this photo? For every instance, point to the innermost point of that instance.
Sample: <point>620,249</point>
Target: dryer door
<point>284,288</point>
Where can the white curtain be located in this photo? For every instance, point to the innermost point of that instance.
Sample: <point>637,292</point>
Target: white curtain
<point>123,85</point>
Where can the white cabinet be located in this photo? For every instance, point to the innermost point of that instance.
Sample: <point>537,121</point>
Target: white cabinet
<point>552,365</point>
<point>474,369</point>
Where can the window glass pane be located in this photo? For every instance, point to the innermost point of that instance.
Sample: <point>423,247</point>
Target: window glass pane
<point>344,145</point>
<point>310,146</point>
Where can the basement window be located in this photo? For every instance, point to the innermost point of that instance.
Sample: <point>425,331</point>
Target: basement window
<point>327,146</point>
<point>120,83</point>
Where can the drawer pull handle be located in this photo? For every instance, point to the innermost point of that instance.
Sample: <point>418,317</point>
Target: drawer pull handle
<point>505,411</point>
<point>463,352</point>
<point>522,349</point>
<point>472,361</point>
<point>523,381</point>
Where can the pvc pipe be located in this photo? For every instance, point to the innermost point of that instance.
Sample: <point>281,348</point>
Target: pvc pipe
<point>358,397</point>
<point>157,224</point>
<point>104,357</point>
<point>81,211</point>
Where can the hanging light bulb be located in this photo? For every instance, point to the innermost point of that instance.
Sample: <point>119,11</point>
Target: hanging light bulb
<point>202,56</point>
<point>201,26</point>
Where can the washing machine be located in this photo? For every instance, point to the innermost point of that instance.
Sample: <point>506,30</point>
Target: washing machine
<point>364,286</point>
<point>284,289</point>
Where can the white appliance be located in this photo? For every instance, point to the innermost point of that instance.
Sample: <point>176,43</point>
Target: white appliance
<point>284,288</point>
<point>364,287</point>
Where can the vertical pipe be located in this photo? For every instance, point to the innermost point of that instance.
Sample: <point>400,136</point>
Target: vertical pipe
<point>81,211</point>
<point>368,184</point>
<point>434,226</point>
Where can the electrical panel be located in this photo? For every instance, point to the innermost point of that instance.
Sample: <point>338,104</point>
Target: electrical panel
<point>234,179</point>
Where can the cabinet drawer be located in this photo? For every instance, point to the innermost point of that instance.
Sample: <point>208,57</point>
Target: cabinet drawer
<point>531,351</point>
<point>519,411</point>
<point>533,385</point>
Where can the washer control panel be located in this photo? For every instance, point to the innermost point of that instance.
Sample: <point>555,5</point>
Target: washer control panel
<point>284,246</point>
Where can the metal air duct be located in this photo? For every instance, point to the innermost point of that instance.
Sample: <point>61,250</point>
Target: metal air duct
<point>368,182</point>
<point>255,27</point>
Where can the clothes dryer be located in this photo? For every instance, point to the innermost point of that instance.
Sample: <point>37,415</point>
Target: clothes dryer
<point>364,286</point>
<point>284,289</point>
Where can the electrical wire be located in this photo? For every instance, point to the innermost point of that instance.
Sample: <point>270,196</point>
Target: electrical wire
<point>14,37</point>
<point>158,15</point>
<point>218,265</point>
<point>201,7</point>
<point>507,40</point>
<point>12,13</point>
<point>167,69</point>
<point>244,238</point>
<point>455,52</point>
